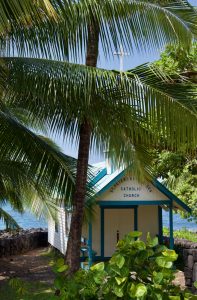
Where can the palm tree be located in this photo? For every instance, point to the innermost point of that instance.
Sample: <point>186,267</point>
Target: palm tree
<point>22,185</point>
<point>28,154</point>
<point>21,189</point>
<point>19,184</point>
<point>34,172</point>
<point>96,105</point>
<point>24,12</point>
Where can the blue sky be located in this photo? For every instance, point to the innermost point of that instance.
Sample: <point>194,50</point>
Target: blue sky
<point>136,58</point>
<point>130,61</point>
<point>193,2</point>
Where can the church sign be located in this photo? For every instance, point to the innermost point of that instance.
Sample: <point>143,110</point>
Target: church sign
<point>128,188</point>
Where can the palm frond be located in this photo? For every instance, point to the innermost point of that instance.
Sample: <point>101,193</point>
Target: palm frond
<point>19,189</point>
<point>34,173</point>
<point>134,24</point>
<point>120,104</point>
<point>10,223</point>
<point>50,167</point>
<point>13,178</point>
<point>22,115</point>
<point>23,12</point>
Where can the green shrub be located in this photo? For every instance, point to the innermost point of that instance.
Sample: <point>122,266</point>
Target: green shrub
<point>137,270</point>
<point>183,233</point>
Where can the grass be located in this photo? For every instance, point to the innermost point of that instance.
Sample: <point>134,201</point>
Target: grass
<point>36,291</point>
<point>53,254</point>
<point>182,234</point>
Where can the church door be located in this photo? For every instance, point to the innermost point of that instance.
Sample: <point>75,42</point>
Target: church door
<point>117,223</point>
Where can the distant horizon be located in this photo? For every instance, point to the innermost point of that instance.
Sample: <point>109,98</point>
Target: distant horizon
<point>28,221</point>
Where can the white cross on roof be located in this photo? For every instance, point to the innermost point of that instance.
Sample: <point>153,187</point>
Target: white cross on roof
<point>121,55</point>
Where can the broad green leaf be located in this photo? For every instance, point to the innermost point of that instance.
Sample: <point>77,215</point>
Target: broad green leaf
<point>141,290</point>
<point>120,280</point>
<point>132,290</point>
<point>118,291</point>
<point>99,277</point>
<point>163,262</point>
<point>115,269</point>
<point>152,242</point>
<point>135,234</point>
<point>120,244</point>
<point>124,271</point>
<point>157,277</point>
<point>143,255</point>
<point>170,254</point>
<point>149,252</point>
<point>59,282</point>
<point>62,269</point>
<point>60,262</point>
<point>139,245</point>
<point>195,284</point>
<point>158,296</point>
<point>188,296</point>
<point>119,260</point>
<point>160,248</point>
<point>98,267</point>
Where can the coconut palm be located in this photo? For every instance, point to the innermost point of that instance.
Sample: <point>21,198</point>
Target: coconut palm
<point>22,184</point>
<point>24,12</point>
<point>31,154</point>
<point>19,189</point>
<point>34,172</point>
<point>98,106</point>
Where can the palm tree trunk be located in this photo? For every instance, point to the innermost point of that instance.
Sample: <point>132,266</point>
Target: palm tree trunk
<point>74,240</point>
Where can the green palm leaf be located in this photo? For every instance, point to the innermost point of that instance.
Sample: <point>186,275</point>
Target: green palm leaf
<point>22,115</point>
<point>19,189</point>
<point>34,174</point>
<point>23,12</point>
<point>8,220</point>
<point>13,179</point>
<point>51,167</point>
<point>128,104</point>
<point>134,24</point>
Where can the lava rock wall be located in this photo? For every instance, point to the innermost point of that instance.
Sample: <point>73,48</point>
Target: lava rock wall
<point>188,253</point>
<point>21,241</point>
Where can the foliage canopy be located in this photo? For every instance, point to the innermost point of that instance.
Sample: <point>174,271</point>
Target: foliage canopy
<point>178,60</point>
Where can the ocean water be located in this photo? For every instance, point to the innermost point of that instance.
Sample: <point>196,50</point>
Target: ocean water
<point>179,222</point>
<point>27,220</point>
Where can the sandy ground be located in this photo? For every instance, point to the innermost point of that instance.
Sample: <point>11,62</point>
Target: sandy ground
<point>34,266</point>
<point>31,266</point>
